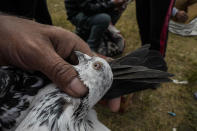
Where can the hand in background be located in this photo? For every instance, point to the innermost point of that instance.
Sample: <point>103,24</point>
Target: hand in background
<point>181,16</point>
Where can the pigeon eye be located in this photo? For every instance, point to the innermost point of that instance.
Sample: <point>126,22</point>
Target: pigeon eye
<point>97,65</point>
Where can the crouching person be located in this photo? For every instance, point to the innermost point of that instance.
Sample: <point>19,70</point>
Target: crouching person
<point>91,18</point>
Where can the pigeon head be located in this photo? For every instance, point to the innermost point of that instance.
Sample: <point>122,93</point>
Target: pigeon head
<point>96,74</point>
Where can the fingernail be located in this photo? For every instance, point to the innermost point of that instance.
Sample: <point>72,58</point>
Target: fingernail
<point>78,87</point>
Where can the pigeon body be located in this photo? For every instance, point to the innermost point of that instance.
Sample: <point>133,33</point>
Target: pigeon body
<point>53,110</point>
<point>17,90</point>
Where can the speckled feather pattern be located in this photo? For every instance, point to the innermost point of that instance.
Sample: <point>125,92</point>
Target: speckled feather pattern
<point>17,90</point>
<point>53,110</point>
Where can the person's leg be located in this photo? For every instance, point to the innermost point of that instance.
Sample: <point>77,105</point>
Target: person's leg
<point>98,25</point>
<point>82,29</point>
<point>160,15</point>
<point>143,20</point>
<point>91,28</point>
<point>115,16</point>
<point>41,13</point>
<point>114,104</point>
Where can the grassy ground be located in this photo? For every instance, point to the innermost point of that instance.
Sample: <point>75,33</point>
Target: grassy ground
<point>149,110</point>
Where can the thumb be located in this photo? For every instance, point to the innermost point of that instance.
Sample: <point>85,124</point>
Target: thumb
<point>62,73</point>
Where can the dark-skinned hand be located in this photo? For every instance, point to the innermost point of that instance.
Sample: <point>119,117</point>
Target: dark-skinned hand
<point>33,46</point>
<point>181,16</point>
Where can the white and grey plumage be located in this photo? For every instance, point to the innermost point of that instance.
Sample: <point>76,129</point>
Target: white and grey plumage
<point>18,89</point>
<point>53,110</point>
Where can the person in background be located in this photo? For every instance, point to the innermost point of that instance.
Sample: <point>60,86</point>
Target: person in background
<point>113,43</point>
<point>153,19</point>
<point>92,18</point>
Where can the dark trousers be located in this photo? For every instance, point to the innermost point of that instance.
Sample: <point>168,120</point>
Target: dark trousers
<point>91,28</point>
<point>32,9</point>
<point>153,18</point>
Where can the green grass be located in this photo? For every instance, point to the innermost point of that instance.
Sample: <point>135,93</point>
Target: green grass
<point>149,111</point>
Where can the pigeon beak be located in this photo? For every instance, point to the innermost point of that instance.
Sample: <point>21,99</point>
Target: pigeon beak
<point>82,57</point>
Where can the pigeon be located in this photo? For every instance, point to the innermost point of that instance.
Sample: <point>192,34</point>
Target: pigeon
<point>54,110</point>
<point>28,100</point>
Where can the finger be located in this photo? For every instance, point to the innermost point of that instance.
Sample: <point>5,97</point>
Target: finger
<point>66,42</point>
<point>61,73</point>
<point>114,104</point>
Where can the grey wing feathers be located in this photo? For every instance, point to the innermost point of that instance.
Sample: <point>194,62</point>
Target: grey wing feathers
<point>139,70</point>
<point>132,66</point>
<point>141,57</point>
<point>135,58</point>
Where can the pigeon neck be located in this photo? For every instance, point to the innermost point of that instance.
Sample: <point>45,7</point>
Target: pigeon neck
<point>81,109</point>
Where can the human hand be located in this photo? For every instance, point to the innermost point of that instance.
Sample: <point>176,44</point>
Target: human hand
<point>114,104</point>
<point>33,46</point>
<point>181,16</point>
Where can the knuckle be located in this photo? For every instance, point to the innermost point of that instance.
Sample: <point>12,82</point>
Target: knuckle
<point>63,72</point>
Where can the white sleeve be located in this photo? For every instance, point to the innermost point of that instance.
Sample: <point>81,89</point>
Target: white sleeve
<point>174,11</point>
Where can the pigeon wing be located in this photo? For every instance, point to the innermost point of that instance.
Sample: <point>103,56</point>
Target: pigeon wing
<point>139,70</point>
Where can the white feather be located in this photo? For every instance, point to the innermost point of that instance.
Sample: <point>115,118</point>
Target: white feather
<point>75,114</point>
